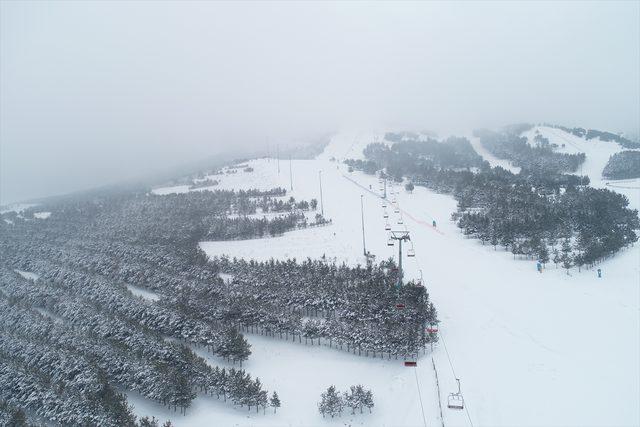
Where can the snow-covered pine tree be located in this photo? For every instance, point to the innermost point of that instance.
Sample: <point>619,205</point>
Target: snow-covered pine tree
<point>565,258</point>
<point>360,396</point>
<point>274,402</point>
<point>331,402</point>
<point>368,400</point>
<point>543,253</point>
<point>351,399</point>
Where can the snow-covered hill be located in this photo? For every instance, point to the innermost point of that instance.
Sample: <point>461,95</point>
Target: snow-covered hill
<point>530,349</point>
<point>597,155</point>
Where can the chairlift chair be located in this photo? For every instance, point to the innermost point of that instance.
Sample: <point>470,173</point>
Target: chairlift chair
<point>387,227</point>
<point>389,241</point>
<point>432,328</point>
<point>400,306</point>
<point>386,215</point>
<point>410,362</point>
<point>400,221</point>
<point>411,253</point>
<point>456,401</point>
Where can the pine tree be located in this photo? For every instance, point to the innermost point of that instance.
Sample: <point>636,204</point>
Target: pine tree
<point>274,402</point>
<point>368,400</point>
<point>543,253</point>
<point>556,257</point>
<point>235,346</point>
<point>148,422</point>
<point>565,258</point>
<point>360,395</point>
<point>331,402</point>
<point>351,399</point>
<point>18,419</point>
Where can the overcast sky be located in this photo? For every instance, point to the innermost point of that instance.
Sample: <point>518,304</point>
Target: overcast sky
<point>95,92</point>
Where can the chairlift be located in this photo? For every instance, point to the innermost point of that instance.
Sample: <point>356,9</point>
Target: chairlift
<point>410,362</point>
<point>384,205</point>
<point>387,227</point>
<point>400,221</point>
<point>432,328</point>
<point>411,253</point>
<point>386,215</point>
<point>456,401</point>
<point>390,242</point>
<point>400,306</point>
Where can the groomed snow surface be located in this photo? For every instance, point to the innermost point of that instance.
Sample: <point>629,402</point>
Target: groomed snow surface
<point>530,349</point>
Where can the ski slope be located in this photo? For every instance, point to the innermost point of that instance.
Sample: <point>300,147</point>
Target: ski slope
<point>597,155</point>
<point>530,349</point>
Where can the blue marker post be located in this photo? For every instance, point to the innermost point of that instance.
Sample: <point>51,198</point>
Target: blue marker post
<point>599,273</point>
<point>539,267</point>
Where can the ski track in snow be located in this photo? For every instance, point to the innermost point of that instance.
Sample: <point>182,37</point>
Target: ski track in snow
<point>530,349</point>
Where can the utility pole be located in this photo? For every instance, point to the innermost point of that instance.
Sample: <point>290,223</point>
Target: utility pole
<point>290,173</point>
<point>321,202</point>
<point>364,246</point>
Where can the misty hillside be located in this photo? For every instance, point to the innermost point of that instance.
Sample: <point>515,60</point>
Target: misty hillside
<point>184,301</point>
<point>319,214</point>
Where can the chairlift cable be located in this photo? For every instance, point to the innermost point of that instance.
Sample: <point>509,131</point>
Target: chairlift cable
<point>424,419</point>
<point>466,402</point>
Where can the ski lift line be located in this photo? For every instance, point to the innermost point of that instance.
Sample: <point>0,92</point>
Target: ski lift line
<point>466,402</point>
<point>448,357</point>
<point>424,419</point>
<point>435,372</point>
<point>362,186</point>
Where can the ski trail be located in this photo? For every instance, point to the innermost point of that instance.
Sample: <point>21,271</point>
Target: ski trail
<point>421,222</point>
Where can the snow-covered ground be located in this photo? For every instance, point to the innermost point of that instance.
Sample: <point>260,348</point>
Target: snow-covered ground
<point>16,207</point>
<point>27,275</point>
<point>493,160</point>
<point>42,215</point>
<point>143,293</point>
<point>530,349</point>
